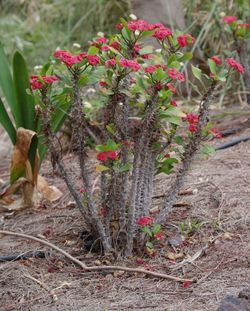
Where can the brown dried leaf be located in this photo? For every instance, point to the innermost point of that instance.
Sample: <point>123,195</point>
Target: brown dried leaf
<point>50,193</point>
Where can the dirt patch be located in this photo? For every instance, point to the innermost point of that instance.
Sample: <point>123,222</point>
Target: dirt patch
<point>219,204</point>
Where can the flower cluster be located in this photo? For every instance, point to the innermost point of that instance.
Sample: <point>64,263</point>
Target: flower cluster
<point>69,60</point>
<point>145,221</point>
<point>215,133</point>
<point>105,155</point>
<point>126,63</point>
<point>151,69</point>
<point>140,25</point>
<point>110,62</point>
<point>37,82</point>
<point>217,60</point>
<point>174,74</point>
<point>192,119</point>
<point>163,32</point>
<point>229,19</point>
<point>185,40</point>
<point>234,64</point>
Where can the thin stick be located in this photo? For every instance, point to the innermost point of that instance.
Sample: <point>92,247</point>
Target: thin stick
<point>43,285</point>
<point>95,268</point>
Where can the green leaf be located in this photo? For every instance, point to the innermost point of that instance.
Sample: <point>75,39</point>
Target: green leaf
<point>7,85</point>
<point>25,101</point>
<point>167,166</point>
<point>212,66</point>
<point>112,145</point>
<point>122,168</point>
<point>157,228</point>
<point>185,57</point>
<point>178,140</point>
<point>115,51</point>
<point>7,123</point>
<point>123,21</point>
<point>196,72</point>
<point>171,59</point>
<point>84,79</point>
<point>126,33</point>
<point>101,168</point>
<point>165,94</point>
<point>93,50</point>
<point>17,172</point>
<point>147,231</point>
<point>159,74</point>
<point>147,33</point>
<point>207,149</point>
<point>45,68</point>
<point>32,151</point>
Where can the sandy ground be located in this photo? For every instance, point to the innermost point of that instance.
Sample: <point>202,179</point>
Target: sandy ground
<point>220,203</point>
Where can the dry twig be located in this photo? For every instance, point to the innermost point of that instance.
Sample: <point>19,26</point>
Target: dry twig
<point>96,268</point>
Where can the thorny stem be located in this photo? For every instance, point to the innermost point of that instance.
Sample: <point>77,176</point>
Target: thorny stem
<point>139,145</point>
<point>55,156</point>
<point>79,133</point>
<point>188,156</point>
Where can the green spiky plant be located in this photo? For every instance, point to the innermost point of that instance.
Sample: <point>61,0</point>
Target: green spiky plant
<point>17,95</point>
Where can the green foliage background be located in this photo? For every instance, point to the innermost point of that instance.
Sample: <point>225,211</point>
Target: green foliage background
<point>38,27</point>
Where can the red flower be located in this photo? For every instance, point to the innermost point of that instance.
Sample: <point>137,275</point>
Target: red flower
<point>82,190</point>
<point>137,48</point>
<point>173,103</point>
<point>140,25</point>
<point>244,26</point>
<point>233,63</point>
<point>68,59</point>
<point>229,19</point>
<point>103,83</point>
<point>50,79</point>
<point>192,128</point>
<point>51,270</point>
<point>163,33</point>
<point>174,74</point>
<point>101,40</point>
<point>215,133</point>
<point>102,156</point>
<point>36,83</point>
<point>146,56</point>
<point>150,69</point>
<point>158,86</point>
<point>171,87</point>
<point>159,236</point>
<point>217,60</point>
<point>105,48</point>
<point>101,212</point>
<point>112,154</point>
<point>185,40</point>
<point>186,284</point>
<point>192,118</point>
<point>93,60</point>
<point>139,261</point>
<point>119,26</point>
<point>130,63</point>
<point>145,221</point>
<point>110,62</point>
<point>115,45</point>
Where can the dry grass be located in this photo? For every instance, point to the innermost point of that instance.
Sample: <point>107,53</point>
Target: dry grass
<point>222,207</point>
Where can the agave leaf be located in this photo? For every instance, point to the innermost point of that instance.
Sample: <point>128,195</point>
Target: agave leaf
<point>25,101</point>
<point>7,123</point>
<point>7,85</point>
